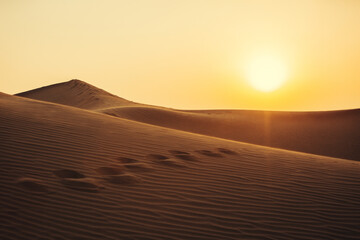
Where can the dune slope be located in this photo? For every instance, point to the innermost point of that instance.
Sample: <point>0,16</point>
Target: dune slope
<point>333,133</point>
<point>68,173</point>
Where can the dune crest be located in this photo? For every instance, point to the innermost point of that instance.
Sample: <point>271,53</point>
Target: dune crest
<point>332,133</point>
<point>76,93</point>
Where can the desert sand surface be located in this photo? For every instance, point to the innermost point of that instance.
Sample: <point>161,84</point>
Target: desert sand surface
<point>329,133</point>
<point>72,173</point>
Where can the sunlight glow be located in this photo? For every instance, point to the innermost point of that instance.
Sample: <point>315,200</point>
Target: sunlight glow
<point>266,72</point>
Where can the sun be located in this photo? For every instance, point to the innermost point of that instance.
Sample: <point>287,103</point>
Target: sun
<point>266,72</point>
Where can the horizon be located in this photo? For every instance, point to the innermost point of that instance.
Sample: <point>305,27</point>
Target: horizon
<point>203,109</point>
<point>188,54</point>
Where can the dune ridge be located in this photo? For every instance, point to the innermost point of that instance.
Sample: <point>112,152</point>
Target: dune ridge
<point>329,133</point>
<point>334,133</point>
<point>76,93</point>
<point>64,176</point>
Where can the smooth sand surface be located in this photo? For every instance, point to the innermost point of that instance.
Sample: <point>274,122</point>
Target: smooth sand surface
<point>69,173</point>
<point>333,133</point>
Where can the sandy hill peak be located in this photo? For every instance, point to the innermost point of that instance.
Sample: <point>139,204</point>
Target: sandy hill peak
<point>330,133</point>
<point>76,93</point>
<point>84,86</point>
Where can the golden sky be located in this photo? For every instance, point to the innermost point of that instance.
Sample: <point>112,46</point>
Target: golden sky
<point>187,54</point>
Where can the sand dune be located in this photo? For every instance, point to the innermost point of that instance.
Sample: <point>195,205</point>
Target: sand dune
<point>76,93</point>
<point>334,133</point>
<point>69,173</point>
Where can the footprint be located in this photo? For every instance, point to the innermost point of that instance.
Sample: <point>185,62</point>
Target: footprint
<point>115,174</point>
<point>161,159</point>
<point>133,164</point>
<point>183,155</point>
<point>209,153</point>
<point>66,173</point>
<point>227,151</point>
<point>186,157</point>
<point>78,181</point>
<point>172,163</point>
<point>113,170</point>
<point>32,185</point>
<point>125,178</point>
<point>127,160</point>
<point>178,152</point>
<point>138,166</point>
<point>157,157</point>
<point>82,184</point>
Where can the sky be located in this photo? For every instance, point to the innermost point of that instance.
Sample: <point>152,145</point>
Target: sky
<point>186,54</point>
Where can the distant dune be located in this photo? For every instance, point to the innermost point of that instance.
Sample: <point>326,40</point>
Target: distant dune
<point>69,173</point>
<point>76,93</point>
<point>333,133</point>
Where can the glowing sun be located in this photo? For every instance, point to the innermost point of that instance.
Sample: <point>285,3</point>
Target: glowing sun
<point>266,72</point>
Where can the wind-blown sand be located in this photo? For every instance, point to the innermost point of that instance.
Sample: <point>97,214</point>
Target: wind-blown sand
<point>332,133</point>
<point>69,173</point>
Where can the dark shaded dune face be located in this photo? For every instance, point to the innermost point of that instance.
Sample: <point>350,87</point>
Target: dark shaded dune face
<point>125,178</point>
<point>227,151</point>
<point>111,170</point>
<point>333,133</point>
<point>127,160</point>
<point>82,184</point>
<point>208,153</point>
<point>32,185</point>
<point>67,173</point>
<point>148,114</point>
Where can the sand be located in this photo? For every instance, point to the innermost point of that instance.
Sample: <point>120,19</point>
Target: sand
<point>72,173</point>
<point>332,133</point>
<point>76,93</point>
